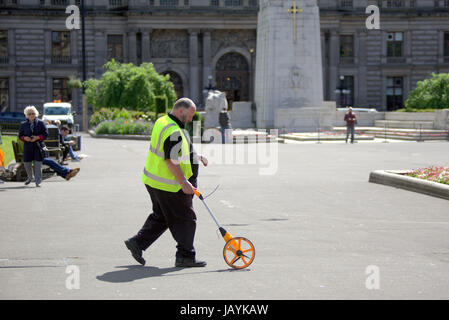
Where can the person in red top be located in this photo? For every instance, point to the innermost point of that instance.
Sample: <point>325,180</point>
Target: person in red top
<point>350,119</point>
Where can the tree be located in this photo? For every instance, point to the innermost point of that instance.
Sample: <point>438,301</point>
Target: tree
<point>431,93</point>
<point>128,86</point>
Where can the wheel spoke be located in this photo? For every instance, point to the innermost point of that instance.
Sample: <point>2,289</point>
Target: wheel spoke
<point>236,258</point>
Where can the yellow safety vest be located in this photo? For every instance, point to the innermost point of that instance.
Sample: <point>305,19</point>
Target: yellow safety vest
<point>156,173</point>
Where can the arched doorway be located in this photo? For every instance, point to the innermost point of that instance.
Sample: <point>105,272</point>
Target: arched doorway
<point>232,77</point>
<point>177,83</point>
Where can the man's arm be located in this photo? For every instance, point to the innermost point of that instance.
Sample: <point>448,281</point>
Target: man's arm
<point>175,169</point>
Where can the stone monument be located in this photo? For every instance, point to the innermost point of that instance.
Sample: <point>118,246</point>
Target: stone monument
<point>215,102</point>
<point>289,78</point>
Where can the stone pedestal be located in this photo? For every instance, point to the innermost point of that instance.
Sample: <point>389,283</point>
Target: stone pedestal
<point>306,119</point>
<point>289,76</point>
<point>241,115</point>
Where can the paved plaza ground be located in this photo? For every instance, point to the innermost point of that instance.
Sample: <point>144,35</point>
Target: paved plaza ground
<point>317,225</point>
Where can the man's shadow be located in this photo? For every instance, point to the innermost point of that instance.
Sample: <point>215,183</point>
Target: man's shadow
<point>136,272</point>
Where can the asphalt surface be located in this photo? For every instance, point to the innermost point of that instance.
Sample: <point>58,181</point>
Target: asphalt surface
<point>319,227</point>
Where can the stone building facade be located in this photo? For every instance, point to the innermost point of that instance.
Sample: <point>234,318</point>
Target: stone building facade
<point>204,43</point>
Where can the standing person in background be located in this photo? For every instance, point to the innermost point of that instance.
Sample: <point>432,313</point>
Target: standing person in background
<point>33,132</point>
<point>225,123</point>
<point>350,119</point>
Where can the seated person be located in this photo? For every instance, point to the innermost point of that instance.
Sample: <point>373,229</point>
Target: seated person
<point>61,171</point>
<point>67,145</point>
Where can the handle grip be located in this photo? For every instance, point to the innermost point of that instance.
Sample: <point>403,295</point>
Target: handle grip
<point>197,193</point>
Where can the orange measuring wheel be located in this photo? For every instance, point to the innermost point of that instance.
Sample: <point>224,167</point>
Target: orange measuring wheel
<point>239,253</point>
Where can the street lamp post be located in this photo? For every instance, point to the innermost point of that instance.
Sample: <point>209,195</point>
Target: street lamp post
<point>209,88</point>
<point>343,92</point>
<point>83,41</point>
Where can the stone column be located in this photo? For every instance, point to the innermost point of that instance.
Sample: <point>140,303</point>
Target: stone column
<point>12,46</point>
<point>408,46</point>
<point>193,60</point>
<point>207,59</point>
<point>100,52</point>
<point>383,47</point>
<point>334,46</point>
<point>360,94</point>
<point>74,46</point>
<point>146,43</point>
<point>132,46</point>
<point>12,93</point>
<point>440,47</point>
<point>47,50</point>
<point>323,61</point>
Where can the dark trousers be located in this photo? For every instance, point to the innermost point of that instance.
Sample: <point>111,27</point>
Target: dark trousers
<point>173,211</point>
<point>350,131</point>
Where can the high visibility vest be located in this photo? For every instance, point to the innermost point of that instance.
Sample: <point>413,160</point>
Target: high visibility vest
<point>156,173</point>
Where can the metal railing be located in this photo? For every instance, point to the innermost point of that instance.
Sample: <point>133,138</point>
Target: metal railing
<point>61,59</point>
<point>117,3</point>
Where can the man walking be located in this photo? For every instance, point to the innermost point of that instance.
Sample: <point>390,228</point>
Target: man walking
<point>170,175</point>
<point>350,119</point>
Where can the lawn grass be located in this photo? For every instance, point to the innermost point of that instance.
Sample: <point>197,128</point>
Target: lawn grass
<point>7,148</point>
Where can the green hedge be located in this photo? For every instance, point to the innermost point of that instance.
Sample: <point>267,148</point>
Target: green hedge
<point>124,127</point>
<point>105,114</point>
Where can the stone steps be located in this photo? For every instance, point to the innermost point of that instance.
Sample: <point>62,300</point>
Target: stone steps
<point>404,124</point>
<point>405,134</point>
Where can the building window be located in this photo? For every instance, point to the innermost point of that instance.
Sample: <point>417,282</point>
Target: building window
<point>60,47</point>
<point>395,93</point>
<point>3,46</point>
<point>61,90</point>
<point>169,3</point>
<point>4,94</point>
<point>395,4</point>
<point>346,4</point>
<point>115,47</point>
<point>233,3</point>
<point>117,3</point>
<point>446,44</point>
<point>214,3</point>
<point>253,3</point>
<point>59,2</point>
<point>395,41</point>
<point>346,48</point>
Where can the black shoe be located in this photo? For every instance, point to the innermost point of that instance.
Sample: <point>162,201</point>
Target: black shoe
<point>28,181</point>
<point>135,250</point>
<point>189,263</point>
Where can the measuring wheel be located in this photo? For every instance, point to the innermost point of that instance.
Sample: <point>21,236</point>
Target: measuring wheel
<point>239,253</point>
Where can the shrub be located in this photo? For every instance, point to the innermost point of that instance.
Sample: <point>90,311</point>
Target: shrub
<point>128,86</point>
<point>430,93</point>
<point>124,127</point>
